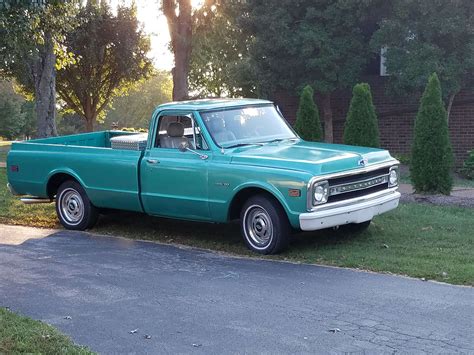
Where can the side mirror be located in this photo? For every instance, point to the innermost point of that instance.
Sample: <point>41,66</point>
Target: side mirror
<point>183,146</point>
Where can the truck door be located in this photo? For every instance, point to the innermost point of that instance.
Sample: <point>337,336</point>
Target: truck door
<point>175,183</point>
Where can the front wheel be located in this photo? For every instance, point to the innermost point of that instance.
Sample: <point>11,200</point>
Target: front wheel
<point>264,225</point>
<point>74,209</point>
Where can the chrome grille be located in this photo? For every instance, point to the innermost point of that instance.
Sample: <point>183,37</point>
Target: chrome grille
<point>357,185</point>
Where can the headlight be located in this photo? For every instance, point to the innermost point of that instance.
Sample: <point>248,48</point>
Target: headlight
<point>320,192</point>
<point>393,176</point>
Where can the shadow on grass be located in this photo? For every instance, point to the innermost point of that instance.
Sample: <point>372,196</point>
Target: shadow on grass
<point>221,237</point>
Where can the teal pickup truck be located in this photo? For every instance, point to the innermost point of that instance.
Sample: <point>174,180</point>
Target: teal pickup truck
<point>209,160</point>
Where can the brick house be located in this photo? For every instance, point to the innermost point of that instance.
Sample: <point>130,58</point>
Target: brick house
<point>396,116</point>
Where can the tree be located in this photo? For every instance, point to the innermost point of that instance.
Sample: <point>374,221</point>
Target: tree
<point>111,57</point>
<point>70,123</point>
<point>29,126</point>
<point>17,115</point>
<point>11,117</point>
<point>468,166</point>
<point>219,52</point>
<point>422,37</point>
<point>307,123</point>
<point>361,127</point>
<point>320,43</point>
<point>135,108</point>
<point>30,50</point>
<point>432,156</point>
<point>180,22</point>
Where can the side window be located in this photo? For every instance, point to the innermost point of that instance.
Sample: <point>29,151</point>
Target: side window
<point>172,130</point>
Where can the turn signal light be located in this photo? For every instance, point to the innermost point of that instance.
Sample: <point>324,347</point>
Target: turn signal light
<point>294,193</point>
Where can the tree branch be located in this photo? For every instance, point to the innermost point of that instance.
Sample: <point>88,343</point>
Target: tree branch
<point>450,103</point>
<point>70,102</point>
<point>169,10</point>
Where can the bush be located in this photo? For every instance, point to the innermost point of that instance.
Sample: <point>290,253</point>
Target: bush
<point>136,130</point>
<point>402,158</point>
<point>361,127</point>
<point>432,156</point>
<point>308,125</point>
<point>468,167</point>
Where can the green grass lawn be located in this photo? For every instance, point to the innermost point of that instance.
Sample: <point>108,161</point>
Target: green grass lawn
<point>23,335</point>
<point>417,240</point>
<point>13,211</point>
<point>4,148</point>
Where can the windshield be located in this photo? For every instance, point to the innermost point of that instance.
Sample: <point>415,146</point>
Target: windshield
<point>246,125</point>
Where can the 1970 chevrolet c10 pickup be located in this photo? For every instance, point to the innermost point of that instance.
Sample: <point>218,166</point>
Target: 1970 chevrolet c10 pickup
<point>210,160</point>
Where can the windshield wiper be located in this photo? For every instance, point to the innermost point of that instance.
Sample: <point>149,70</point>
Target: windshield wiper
<point>242,145</point>
<point>278,140</point>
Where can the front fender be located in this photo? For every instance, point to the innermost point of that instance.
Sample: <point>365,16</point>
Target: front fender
<point>273,190</point>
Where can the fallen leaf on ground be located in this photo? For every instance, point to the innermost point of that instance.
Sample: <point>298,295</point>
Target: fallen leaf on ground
<point>134,331</point>
<point>334,330</point>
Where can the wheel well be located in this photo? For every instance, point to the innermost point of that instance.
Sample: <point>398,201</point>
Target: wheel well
<point>55,181</point>
<point>242,196</point>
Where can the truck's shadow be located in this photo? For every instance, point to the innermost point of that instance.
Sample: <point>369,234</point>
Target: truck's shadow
<point>221,237</point>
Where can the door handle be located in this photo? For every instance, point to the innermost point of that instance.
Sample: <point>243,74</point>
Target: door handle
<point>152,161</point>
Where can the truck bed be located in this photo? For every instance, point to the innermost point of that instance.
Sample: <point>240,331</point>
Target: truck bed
<point>110,176</point>
<point>94,139</point>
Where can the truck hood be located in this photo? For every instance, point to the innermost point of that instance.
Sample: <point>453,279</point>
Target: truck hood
<point>312,157</point>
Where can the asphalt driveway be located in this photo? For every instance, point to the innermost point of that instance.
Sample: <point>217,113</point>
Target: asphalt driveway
<point>121,296</point>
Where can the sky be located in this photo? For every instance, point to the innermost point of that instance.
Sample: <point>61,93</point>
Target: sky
<point>155,25</point>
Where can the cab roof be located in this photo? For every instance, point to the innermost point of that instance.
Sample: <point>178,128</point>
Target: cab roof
<point>210,104</point>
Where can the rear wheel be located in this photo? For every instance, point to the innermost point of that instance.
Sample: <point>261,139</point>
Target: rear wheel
<point>264,225</point>
<point>74,209</point>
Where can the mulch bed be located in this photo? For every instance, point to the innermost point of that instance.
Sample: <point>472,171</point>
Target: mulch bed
<point>441,200</point>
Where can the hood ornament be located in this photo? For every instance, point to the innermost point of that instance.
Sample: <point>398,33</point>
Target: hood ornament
<point>363,162</point>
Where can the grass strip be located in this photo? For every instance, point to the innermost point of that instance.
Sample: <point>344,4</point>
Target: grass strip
<point>4,149</point>
<point>24,335</point>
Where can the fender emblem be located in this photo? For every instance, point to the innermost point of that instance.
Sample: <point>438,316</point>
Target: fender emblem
<point>224,184</point>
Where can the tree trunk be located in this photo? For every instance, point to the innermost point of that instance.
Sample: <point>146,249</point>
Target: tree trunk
<point>181,72</point>
<point>90,114</point>
<point>44,74</point>
<point>450,104</point>
<point>327,117</point>
<point>90,124</point>
<point>180,28</point>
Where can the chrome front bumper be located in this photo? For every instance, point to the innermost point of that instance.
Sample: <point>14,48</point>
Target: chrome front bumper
<point>355,210</point>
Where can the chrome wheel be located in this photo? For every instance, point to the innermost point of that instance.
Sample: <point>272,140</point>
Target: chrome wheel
<point>71,206</point>
<point>258,226</point>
